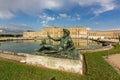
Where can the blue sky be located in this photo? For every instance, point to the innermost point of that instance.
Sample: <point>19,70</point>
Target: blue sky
<point>35,14</point>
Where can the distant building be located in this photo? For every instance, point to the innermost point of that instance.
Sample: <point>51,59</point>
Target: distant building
<point>75,32</point>
<point>110,34</point>
<point>116,33</point>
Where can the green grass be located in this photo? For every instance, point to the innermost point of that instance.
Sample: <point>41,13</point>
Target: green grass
<point>97,69</point>
<point>16,71</point>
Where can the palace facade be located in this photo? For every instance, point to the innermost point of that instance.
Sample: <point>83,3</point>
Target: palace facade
<point>75,32</point>
<point>111,34</point>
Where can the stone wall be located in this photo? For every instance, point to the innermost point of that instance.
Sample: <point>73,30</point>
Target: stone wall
<point>61,64</point>
<point>98,49</point>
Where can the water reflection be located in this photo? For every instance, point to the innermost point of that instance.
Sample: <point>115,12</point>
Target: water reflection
<point>29,46</point>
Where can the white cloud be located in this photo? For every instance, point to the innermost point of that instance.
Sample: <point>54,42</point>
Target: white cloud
<point>77,17</point>
<point>45,19</point>
<point>63,15</point>
<point>52,4</point>
<point>97,23</point>
<point>105,5</point>
<point>43,22</point>
<point>1,30</point>
<point>6,15</point>
<point>8,8</point>
<point>31,7</point>
<point>50,18</point>
<point>15,26</point>
<point>116,28</point>
<point>88,28</point>
<point>68,17</point>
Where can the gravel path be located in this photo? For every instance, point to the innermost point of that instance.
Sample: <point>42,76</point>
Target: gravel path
<point>114,60</point>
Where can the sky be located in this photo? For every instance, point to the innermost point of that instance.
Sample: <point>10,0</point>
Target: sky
<point>36,14</point>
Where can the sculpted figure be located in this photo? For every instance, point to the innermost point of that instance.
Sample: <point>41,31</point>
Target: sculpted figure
<point>66,46</point>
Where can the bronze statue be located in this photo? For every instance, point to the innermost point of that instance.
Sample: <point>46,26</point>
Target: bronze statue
<point>65,48</point>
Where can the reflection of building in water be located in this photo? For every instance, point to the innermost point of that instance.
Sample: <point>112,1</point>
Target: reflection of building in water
<point>104,34</point>
<point>83,43</point>
<point>90,42</point>
<point>75,32</point>
<point>80,43</point>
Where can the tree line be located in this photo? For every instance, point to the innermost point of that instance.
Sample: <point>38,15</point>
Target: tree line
<point>11,35</point>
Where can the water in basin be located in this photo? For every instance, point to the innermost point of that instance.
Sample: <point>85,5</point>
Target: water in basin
<point>30,46</point>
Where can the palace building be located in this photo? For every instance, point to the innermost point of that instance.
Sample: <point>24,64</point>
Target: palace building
<point>110,34</point>
<point>75,32</point>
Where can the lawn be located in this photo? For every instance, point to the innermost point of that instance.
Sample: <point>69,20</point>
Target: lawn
<point>97,69</point>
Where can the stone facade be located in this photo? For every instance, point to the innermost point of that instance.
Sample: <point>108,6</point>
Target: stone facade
<point>111,34</point>
<point>75,32</point>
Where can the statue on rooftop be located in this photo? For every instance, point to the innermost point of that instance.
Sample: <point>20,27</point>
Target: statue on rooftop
<point>65,48</point>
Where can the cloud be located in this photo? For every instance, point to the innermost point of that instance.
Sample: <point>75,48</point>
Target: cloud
<point>105,6</point>
<point>77,17</point>
<point>45,19</point>
<point>88,28</point>
<point>1,30</point>
<point>9,8</point>
<point>63,15</point>
<point>96,23</point>
<point>69,17</point>
<point>50,18</point>
<point>14,26</point>
<point>6,14</point>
